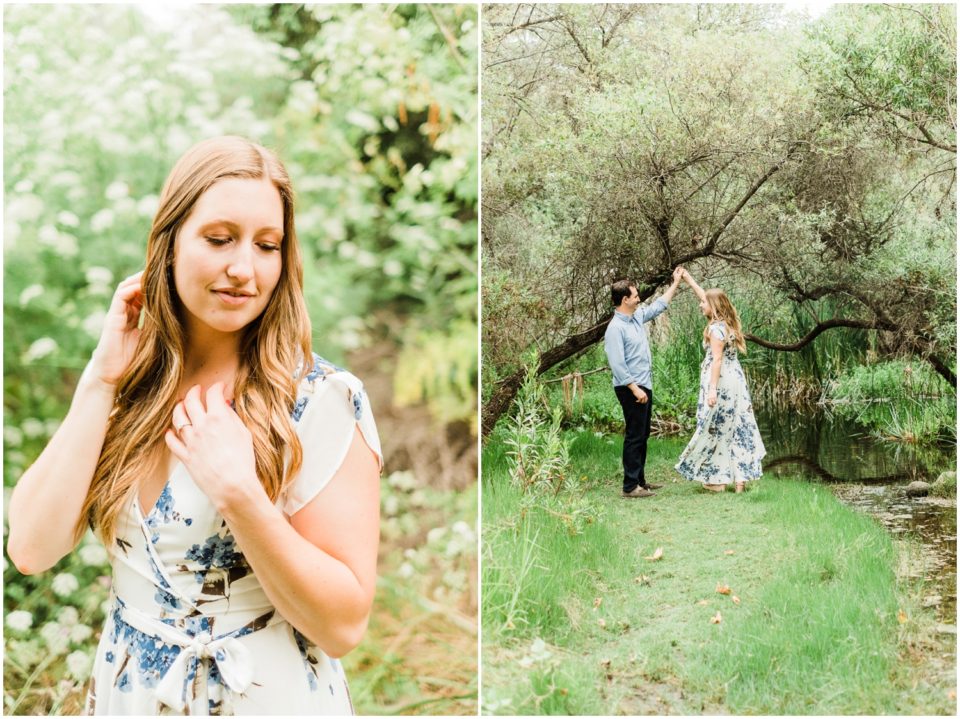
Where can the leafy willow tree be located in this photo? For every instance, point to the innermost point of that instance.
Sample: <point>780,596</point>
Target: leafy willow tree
<point>620,141</point>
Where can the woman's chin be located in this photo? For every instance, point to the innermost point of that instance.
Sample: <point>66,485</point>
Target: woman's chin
<point>227,325</point>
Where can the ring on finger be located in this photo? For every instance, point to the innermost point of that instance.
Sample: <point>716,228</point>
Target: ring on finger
<point>179,427</point>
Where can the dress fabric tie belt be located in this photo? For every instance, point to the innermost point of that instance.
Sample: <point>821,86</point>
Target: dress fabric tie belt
<point>234,661</point>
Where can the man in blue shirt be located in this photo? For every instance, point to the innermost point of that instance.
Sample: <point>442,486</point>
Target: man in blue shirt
<point>628,352</point>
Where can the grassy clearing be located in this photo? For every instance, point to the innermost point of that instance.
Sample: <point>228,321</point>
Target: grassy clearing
<point>589,624</point>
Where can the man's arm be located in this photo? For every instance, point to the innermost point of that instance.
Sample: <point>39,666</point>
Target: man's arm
<point>660,305</point>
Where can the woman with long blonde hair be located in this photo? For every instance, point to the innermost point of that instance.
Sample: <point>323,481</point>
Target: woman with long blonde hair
<point>726,447</point>
<point>231,473</point>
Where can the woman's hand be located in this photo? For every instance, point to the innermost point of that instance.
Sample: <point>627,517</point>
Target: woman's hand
<point>214,446</point>
<point>118,340</point>
<point>711,396</point>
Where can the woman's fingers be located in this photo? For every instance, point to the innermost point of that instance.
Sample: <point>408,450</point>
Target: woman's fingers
<point>193,405</point>
<point>176,445</point>
<point>180,420</point>
<point>214,396</point>
<point>128,299</point>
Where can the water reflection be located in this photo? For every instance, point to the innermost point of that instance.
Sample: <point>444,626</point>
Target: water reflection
<point>871,475</point>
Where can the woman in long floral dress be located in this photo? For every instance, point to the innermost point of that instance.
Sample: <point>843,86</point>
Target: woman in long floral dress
<point>232,474</point>
<point>726,447</point>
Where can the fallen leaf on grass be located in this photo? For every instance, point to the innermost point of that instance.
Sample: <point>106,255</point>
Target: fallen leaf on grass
<point>736,599</point>
<point>729,551</point>
<point>716,619</point>
<point>703,603</point>
<point>605,663</point>
<point>902,616</point>
<point>952,695</point>
<point>642,579</point>
<point>602,623</point>
<point>597,602</point>
<point>657,554</point>
<point>723,589</point>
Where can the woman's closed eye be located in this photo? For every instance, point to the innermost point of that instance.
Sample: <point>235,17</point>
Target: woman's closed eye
<point>219,241</point>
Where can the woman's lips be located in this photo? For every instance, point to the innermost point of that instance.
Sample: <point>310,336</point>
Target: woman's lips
<point>231,299</point>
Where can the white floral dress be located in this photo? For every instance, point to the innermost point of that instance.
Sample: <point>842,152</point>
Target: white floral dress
<point>190,629</point>
<point>726,446</point>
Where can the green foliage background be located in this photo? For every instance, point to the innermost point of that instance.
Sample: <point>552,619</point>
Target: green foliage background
<point>373,109</point>
<point>806,166</point>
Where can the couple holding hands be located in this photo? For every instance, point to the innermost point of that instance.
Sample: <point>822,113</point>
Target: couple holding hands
<point>726,447</point>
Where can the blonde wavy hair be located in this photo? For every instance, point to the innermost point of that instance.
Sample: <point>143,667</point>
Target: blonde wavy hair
<point>722,309</point>
<point>271,348</point>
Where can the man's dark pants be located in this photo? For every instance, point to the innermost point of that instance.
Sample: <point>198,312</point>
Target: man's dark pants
<point>636,415</point>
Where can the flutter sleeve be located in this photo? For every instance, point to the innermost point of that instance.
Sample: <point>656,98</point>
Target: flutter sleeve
<point>331,408</point>
<point>718,331</point>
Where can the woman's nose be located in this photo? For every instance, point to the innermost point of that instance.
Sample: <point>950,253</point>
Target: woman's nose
<point>240,267</point>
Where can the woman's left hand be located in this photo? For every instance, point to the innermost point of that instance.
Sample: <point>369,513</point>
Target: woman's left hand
<point>711,396</point>
<point>214,445</point>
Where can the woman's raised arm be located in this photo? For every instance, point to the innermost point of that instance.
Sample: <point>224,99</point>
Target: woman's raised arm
<point>697,290</point>
<point>46,503</point>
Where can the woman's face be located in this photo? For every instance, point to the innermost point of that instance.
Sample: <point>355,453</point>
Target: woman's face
<point>705,308</point>
<point>227,258</point>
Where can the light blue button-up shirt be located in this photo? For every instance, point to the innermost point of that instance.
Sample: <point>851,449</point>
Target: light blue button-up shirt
<point>627,346</point>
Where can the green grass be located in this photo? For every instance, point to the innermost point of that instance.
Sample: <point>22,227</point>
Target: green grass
<point>524,594</point>
<point>816,629</point>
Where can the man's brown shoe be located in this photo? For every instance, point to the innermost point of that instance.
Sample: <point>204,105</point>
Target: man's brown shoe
<point>638,492</point>
<point>652,486</point>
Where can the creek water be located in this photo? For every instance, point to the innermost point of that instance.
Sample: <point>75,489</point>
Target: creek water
<point>871,475</point>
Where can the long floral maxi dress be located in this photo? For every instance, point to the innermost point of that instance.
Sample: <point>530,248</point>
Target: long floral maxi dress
<point>190,629</point>
<point>726,446</point>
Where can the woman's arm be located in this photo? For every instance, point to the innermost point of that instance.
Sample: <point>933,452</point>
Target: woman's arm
<point>697,290</point>
<point>46,503</point>
<point>318,568</point>
<point>716,348</point>
<point>667,296</point>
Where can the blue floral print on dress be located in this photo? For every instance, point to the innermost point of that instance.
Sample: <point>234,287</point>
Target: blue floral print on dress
<point>163,596</point>
<point>298,409</point>
<point>151,656</point>
<point>163,512</point>
<point>726,446</point>
<point>217,551</point>
<point>308,659</point>
<point>322,367</point>
<point>191,569</point>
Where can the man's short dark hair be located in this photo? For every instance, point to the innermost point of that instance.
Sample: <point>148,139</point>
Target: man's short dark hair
<point>619,290</point>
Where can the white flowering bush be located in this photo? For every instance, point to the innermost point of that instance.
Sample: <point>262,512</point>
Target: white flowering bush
<point>52,623</point>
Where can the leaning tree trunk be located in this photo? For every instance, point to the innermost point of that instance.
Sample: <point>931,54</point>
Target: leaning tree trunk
<point>502,398</point>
